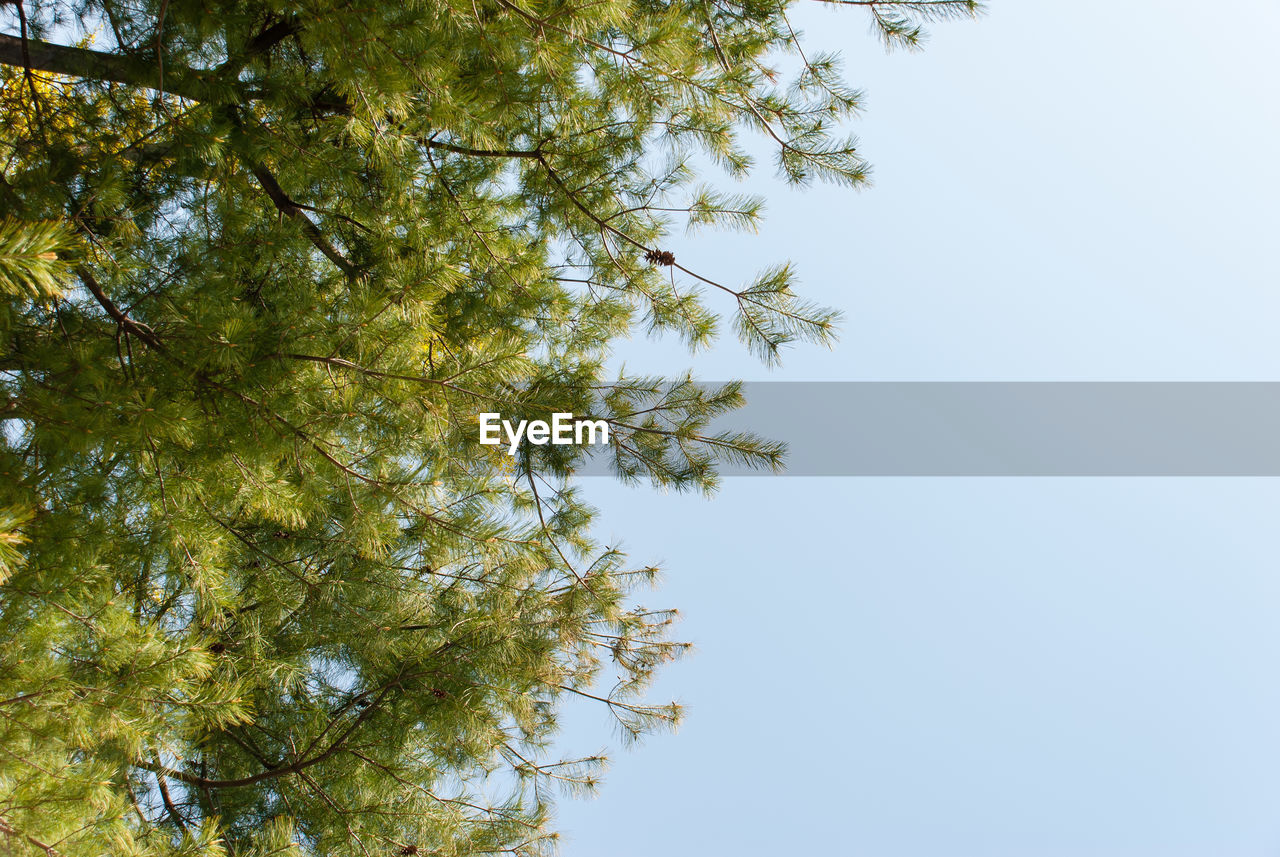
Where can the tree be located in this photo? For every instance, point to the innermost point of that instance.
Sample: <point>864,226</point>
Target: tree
<point>261,266</point>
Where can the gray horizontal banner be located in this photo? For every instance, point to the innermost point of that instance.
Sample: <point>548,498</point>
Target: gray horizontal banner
<point>1012,429</point>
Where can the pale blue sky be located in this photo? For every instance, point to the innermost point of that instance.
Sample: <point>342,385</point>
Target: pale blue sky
<point>990,667</point>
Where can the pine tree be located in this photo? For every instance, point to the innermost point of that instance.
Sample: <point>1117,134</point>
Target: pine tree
<point>261,266</point>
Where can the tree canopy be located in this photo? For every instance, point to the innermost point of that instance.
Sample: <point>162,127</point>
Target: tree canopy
<point>261,266</point>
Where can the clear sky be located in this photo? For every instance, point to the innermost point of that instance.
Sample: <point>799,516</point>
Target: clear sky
<point>990,667</point>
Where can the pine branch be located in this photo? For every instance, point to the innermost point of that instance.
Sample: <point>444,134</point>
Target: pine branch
<point>484,153</point>
<point>294,767</point>
<point>104,66</point>
<point>262,43</point>
<point>137,328</point>
<point>9,830</point>
<point>150,73</point>
<point>168,802</point>
<point>288,207</point>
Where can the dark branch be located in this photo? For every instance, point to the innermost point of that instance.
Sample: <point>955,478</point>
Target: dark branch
<point>272,36</point>
<point>128,325</point>
<point>215,85</point>
<point>485,153</point>
<point>288,207</point>
<point>294,768</point>
<point>99,65</point>
<point>261,44</point>
<point>9,830</point>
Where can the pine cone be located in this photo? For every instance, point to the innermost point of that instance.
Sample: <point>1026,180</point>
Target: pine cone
<point>660,257</point>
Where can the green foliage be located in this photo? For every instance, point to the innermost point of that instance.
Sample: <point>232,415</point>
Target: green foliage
<point>33,259</point>
<point>261,266</point>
